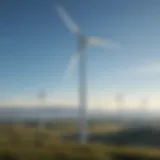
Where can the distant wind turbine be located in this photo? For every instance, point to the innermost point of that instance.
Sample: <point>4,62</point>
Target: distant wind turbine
<point>41,97</point>
<point>143,108</point>
<point>80,57</point>
<point>39,137</point>
<point>120,105</point>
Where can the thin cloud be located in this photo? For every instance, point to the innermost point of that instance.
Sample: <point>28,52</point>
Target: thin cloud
<point>137,71</point>
<point>153,68</point>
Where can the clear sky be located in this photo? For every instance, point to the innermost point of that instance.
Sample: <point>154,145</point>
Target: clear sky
<point>35,47</point>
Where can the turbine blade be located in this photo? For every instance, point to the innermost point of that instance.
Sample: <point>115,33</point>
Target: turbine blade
<point>98,42</point>
<point>67,20</point>
<point>72,65</point>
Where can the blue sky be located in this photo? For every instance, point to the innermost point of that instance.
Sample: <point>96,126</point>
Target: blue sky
<point>36,47</point>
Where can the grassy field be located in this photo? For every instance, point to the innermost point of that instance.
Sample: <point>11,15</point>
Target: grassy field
<point>19,142</point>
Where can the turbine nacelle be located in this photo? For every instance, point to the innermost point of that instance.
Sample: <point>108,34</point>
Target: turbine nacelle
<point>82,43</point>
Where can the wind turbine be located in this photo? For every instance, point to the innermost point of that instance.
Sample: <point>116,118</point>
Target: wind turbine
<point>41,97</point>
<point>80,57</point>
<point>143,108</point>
<point>120,105</point>
<point>39,134</point>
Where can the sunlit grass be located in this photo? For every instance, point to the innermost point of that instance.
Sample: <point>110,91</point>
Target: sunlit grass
<point>19,142</point>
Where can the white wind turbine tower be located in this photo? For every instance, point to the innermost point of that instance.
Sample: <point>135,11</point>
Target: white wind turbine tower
<point>80,57</point>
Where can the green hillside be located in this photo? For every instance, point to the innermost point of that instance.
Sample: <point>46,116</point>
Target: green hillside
<point>26,143</point>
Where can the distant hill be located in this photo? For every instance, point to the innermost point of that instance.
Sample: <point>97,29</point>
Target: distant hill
<point>46,112</point>
<point>35,112</point>
<point>140,136</point>
<point>51,112</point>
